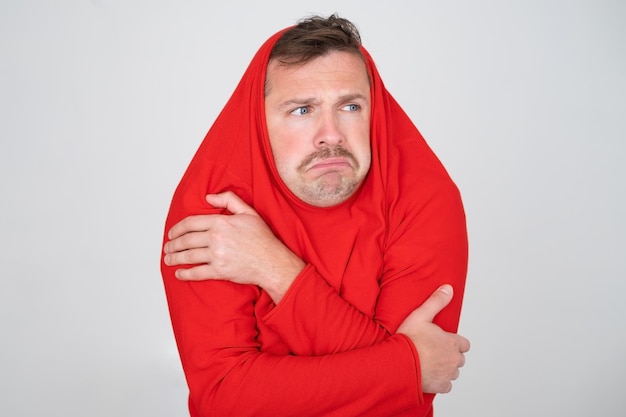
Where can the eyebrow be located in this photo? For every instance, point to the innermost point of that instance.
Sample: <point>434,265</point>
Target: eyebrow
<point>310,100</point>
<point>297,102</point>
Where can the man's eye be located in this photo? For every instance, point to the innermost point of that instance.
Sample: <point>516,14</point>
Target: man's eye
<point>352,107</point>
<point>301,111</point>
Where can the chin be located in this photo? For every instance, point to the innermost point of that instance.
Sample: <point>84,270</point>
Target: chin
<point>328,196</point>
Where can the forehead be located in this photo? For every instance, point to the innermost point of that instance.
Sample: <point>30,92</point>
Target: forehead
<point>336,69</point>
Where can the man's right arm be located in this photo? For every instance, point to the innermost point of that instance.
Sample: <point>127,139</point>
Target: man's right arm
<point>227,373</point>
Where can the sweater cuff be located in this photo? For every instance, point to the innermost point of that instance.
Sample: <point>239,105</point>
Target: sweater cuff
<point>291,294</point>
<point>418,369</point>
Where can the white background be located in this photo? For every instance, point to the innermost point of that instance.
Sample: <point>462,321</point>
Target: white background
<point>103,103</point>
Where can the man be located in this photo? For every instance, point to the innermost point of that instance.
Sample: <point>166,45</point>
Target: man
<point>305,238</point>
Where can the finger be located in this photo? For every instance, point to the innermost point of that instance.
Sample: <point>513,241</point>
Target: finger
<point>197,273</point>
<point>464,344</point>
<point>188,257</point>
<point>461,362</point>
<point>187,241</point>
<point>435,303</point>
<point>446,388</point>
<point>231,202</point>
<point>189,224</point>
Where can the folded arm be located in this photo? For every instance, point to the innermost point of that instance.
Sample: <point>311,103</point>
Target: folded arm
<point>228,374</point>
<point>313,319</point>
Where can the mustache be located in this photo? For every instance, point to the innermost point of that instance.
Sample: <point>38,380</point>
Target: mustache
<point>325,153</point>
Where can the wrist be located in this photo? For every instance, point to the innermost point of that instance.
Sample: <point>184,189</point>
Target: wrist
<point>282,277</point>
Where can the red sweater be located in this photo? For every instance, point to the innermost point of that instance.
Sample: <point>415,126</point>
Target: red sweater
<point>329,347</point>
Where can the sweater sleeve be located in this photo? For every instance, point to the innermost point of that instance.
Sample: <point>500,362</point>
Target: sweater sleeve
<point>368,372</point>
<point>229,374</point>
<point>428,249</point>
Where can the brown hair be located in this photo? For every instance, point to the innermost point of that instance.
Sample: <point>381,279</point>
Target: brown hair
<point>316,36</point>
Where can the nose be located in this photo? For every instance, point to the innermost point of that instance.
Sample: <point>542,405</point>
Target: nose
<point>329,131</point>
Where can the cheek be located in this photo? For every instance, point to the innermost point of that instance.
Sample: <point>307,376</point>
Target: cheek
<point>362,147</point>
<point>286,150</point>
<point>365,159</point>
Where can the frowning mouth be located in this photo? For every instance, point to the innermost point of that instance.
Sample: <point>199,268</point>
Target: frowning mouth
<point>327,158</point>
<point>330,163</point>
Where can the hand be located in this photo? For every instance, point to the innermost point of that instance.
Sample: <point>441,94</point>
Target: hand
<point>441,353</point>
<point>239,248</point>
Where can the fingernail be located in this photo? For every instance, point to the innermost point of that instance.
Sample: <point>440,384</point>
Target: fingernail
<point>166,259</point>
<point>446,289</point>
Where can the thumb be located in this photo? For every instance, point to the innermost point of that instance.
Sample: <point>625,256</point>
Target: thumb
<point>231,202</point>
<point>434,304</point>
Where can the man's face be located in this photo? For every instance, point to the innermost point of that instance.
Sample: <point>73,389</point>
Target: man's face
<point>318,120</point>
